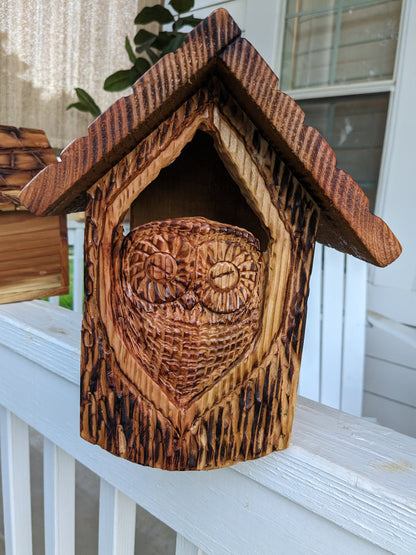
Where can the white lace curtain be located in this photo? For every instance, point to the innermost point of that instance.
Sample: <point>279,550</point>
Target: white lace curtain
<point>47,48</point>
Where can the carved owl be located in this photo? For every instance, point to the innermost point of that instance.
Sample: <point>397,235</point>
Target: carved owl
<point>191,303</point>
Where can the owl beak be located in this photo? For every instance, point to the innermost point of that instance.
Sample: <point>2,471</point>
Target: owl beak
<point>189,300</point>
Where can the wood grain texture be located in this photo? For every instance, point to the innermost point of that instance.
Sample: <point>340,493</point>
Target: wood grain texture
<point>33,257</point>
<point>33,250</point>
<point>245,409</point>
<point>214,48</point>
<point>175,193</point>
<point>23,153</point>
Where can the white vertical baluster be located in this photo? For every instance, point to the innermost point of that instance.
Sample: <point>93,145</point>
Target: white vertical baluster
<point>332,327</point>
<point>15,470</point>
<point>185,547</point>
<point>354,337</point>
<point>78,268</point>
<point>54,300</point>
<point>310,372</point>
<point>59,500</point>
<point>116,522</point>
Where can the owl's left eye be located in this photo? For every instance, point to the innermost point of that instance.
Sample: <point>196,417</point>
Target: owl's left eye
<point>160,266</point>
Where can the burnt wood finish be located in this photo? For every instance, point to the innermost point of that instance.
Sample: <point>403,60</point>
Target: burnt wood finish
<point>174,402</point>
<point>23,153</point>
<point>33,250</point>
<point>215,48</point>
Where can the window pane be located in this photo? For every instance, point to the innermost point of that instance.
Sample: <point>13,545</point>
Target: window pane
<point>330,42</point>
<point>354,127</point>
<point>297,6</point>
<point>309,63</point>
<point>367,43</point>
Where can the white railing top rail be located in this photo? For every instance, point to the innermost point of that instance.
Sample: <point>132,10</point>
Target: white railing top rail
<point>343,479</point>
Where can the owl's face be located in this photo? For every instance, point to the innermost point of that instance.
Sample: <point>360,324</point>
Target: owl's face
<point>192,300</point>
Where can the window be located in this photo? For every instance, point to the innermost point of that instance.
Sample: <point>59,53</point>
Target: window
<point>329,42</point>
<point>338,63</point>
<point>354,127</point>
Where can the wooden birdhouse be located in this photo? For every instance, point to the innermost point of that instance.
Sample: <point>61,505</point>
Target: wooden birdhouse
<point>194,316</point>
<point>34,251</point>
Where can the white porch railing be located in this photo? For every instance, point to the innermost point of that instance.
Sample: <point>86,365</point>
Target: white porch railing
<point>343,486</point>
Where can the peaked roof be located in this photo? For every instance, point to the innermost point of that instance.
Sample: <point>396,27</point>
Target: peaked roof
<point>23,152</point>
<point>215,46</point>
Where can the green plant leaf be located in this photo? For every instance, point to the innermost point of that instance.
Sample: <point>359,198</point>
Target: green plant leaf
<point>189,20</point>
<point>129,50</point>
<point>87,99</point>
<point>144,36</point>
<point>141,65</point>
<point>154,13</point>
<point>120,80</point>
<point>152,55</point>
<point>182,6</point>
<point>174,44</point>
<point>79,106</point>
<point>163,39</point>
<point>85,103</point>
<point>143,47</point>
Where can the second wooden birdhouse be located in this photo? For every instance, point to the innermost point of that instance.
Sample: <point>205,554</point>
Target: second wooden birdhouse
<point>194,315</point>
<point>33,250</point>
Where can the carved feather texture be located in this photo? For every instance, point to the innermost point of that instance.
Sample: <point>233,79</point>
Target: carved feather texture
<point>188,296</point>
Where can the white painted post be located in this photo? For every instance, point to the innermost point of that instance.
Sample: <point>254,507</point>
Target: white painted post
<point>59,500</point>
<point>310,370</point>
<point>116,522</point>
<point>15,471</point>
<point>78,268</point>
<point>185,547</point>
<point>353,352</point>
<point>332,326</point>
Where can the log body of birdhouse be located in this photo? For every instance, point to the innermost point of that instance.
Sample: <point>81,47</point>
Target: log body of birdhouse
<point>192,335</point>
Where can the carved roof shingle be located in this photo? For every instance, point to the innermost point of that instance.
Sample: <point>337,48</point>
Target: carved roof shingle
<point>215,47</point>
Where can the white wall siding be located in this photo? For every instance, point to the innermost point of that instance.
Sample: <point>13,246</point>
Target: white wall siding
<point>394,288</point>
<point>260,23</point>
<point>390,374</point>
<point>394,415</point>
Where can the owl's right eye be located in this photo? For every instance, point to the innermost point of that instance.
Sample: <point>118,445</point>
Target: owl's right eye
<point>156,267</point>
<point>228,273</point>
<point>224,276</point>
